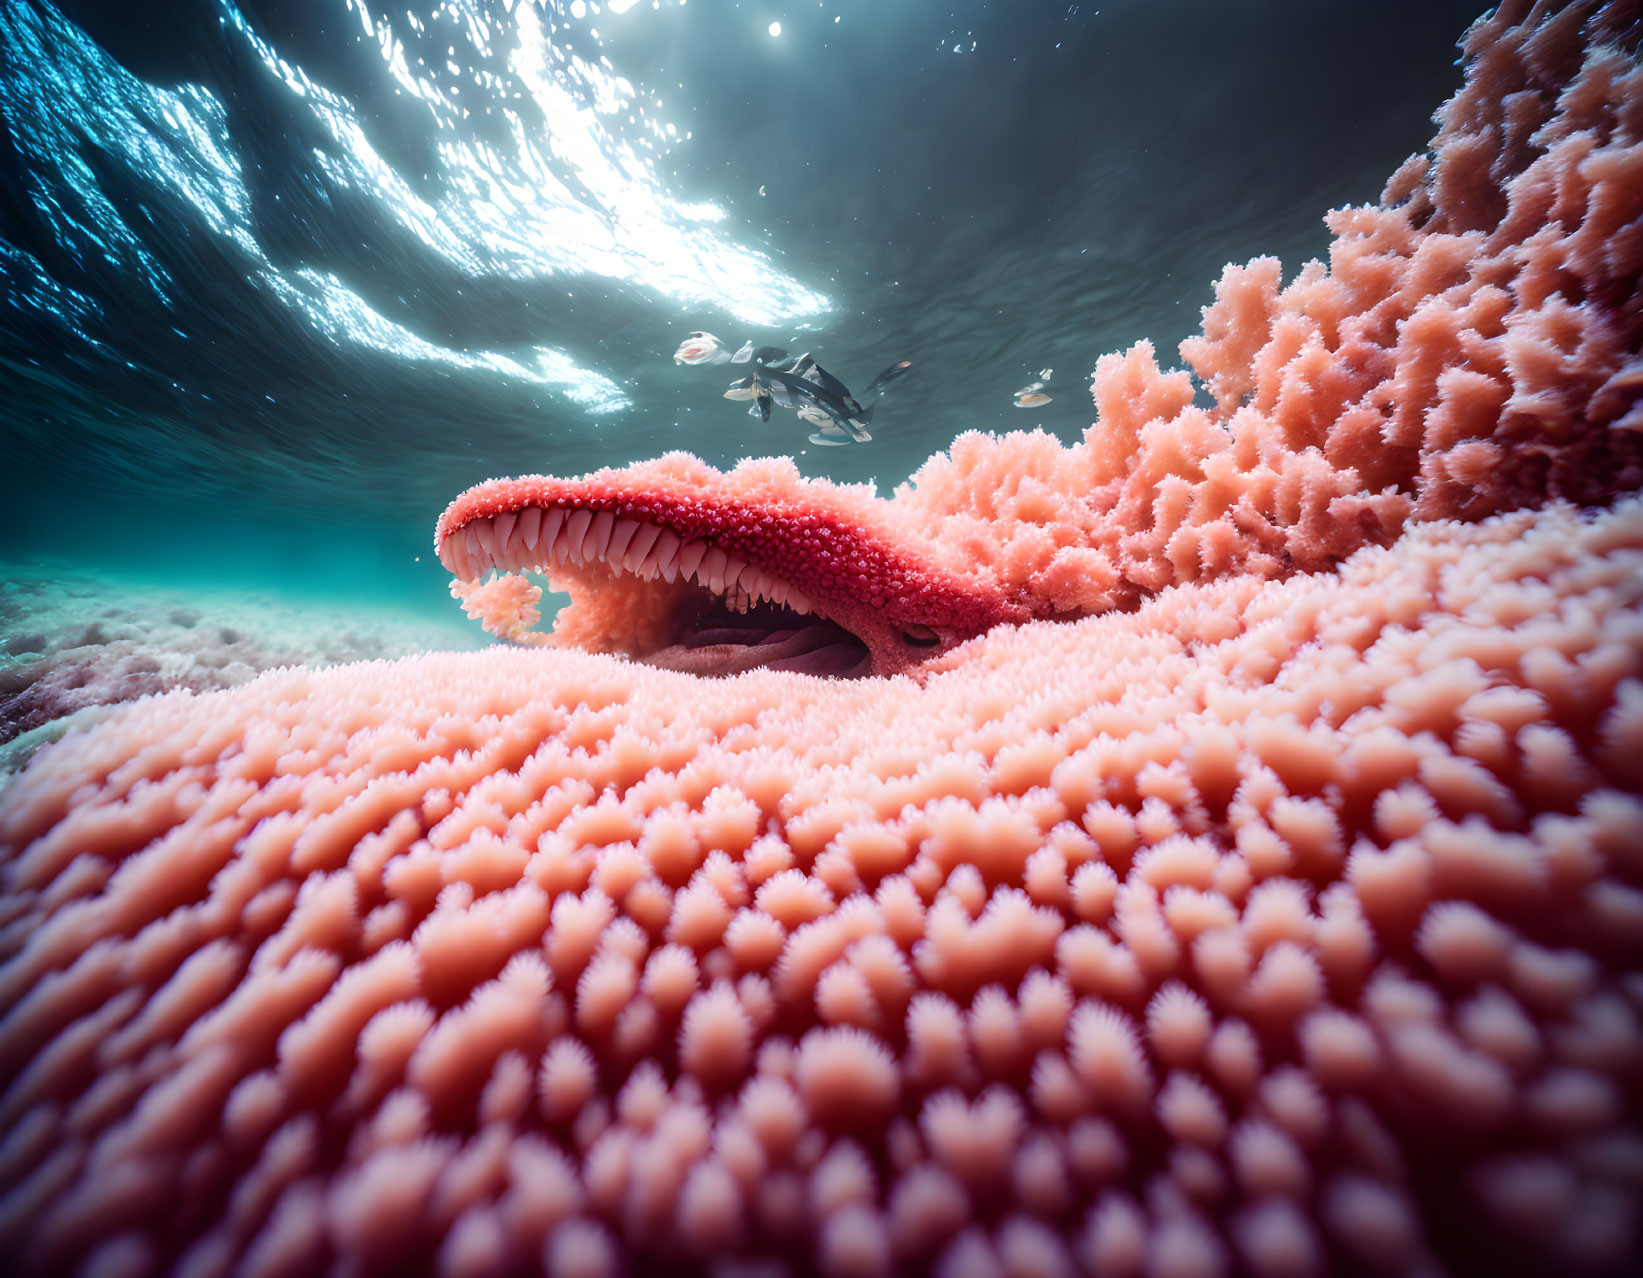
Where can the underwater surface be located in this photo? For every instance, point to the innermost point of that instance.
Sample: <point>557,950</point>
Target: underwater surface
<point>281,278</point>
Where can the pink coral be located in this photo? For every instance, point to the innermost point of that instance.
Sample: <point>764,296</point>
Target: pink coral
<point>506,606</point>
<point>1273,903</point>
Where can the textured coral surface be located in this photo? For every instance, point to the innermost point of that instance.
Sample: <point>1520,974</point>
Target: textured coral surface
<point>1272,904</point>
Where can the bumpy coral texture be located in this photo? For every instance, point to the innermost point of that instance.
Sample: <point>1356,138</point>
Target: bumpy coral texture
<point>1471,346</point>
<point>1287,920</point>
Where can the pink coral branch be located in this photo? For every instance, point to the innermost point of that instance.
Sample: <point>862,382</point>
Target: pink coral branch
<point>506,606</point>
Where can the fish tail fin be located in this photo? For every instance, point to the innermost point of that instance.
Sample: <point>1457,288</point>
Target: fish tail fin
<point>877,385</point>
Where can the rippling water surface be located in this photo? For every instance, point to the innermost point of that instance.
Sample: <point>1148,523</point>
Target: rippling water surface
<point>280,278</point>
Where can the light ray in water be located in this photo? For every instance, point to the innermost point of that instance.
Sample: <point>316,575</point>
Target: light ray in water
<point>569,191</point>
<point>553,186</point>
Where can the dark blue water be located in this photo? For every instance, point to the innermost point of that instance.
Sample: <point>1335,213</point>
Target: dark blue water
<point>281,278</point>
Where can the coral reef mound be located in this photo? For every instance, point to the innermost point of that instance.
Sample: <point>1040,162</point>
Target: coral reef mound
<point>1244,872</point>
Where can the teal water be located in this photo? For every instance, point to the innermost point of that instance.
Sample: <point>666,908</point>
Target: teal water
<point>165,541</point>
<point>282,277</point>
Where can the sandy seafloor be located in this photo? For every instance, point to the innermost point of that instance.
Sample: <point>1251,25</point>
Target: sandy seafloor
<point>74,641</point>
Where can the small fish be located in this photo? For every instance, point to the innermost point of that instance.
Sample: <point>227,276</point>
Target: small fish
<point>830,436</point>
<point>831,432</point>
<point>764,355</point>
<point>877,385</point>
<point>1032,394</point>
<point>755,388</point>
<point>702,348</point>
<point>776,381</point>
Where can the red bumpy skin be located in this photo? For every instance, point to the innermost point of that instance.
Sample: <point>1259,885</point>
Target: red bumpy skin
<point>648,551</point>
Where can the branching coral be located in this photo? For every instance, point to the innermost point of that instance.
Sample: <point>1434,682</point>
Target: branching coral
<point>506,607</point>
<point>1277,906</point>
<point>1471,346</point>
